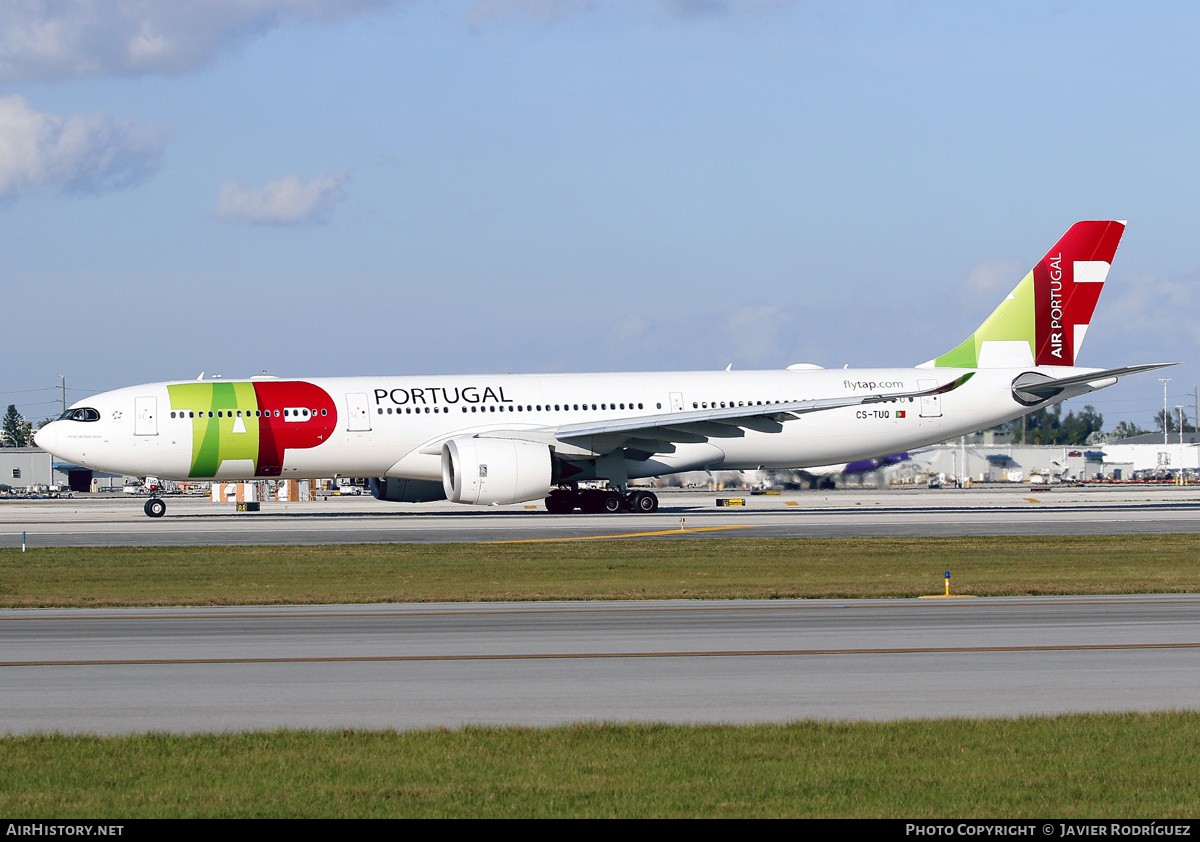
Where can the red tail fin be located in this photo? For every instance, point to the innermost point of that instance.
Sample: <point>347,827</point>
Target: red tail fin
<point>1067,284</point>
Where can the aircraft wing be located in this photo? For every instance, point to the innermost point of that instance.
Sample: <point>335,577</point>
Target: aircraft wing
<point>658,433</point>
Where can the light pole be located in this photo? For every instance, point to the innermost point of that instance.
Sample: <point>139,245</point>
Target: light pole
<point>1165,381</point>
<point>1180,409</point>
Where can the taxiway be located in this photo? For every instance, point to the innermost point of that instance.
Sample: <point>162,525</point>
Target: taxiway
<point>1091,510</point>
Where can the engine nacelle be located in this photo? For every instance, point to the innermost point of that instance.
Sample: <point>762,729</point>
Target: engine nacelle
<point>500,471</point>
<point>406,490</point>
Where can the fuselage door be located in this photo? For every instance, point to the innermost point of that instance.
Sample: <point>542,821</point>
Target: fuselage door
<point>358,413</point>
<point>931,405</point>
<point>677,401</point>
<point>145,416</point>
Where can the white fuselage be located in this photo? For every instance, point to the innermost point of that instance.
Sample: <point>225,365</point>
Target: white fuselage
<point>395,426</point>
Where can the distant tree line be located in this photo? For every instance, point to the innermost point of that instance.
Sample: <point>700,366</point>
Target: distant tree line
<point>15,431</point>
<point>1172,422</point>
<point>1048,426</point>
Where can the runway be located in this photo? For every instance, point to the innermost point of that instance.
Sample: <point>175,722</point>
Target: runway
<point>119,521</point>
<point>416,666</point>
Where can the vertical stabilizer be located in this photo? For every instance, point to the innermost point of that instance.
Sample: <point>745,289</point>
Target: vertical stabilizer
<point>1043,321</point>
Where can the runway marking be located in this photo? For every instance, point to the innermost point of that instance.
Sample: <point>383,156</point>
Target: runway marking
<point>629,535</point>
<point>571,656</point>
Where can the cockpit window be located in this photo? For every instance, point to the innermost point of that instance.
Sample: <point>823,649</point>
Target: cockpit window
<point>84,414</point>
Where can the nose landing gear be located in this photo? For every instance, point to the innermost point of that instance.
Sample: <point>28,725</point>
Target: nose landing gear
<point>155,507</point>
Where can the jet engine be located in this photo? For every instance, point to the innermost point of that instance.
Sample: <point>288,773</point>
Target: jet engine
<point>406,490</point>
<point>496,471</point>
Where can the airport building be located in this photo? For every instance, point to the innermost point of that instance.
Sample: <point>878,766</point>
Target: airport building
<point>21,467</point>
<point>25,467</point>
<point>1122,460</point>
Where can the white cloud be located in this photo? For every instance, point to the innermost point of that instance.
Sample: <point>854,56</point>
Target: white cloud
<point>60,39</point>
<point>757,334</point>
<point>84,154</point>
<point>707,8</point>
<point>1150,305</point>
<point>285,201</point>
<point>1001,275</point>
<point>552,10</point>
<point>546,10</point>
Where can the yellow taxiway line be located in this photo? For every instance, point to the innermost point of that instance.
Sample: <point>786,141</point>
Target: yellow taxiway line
<point>628,535</point>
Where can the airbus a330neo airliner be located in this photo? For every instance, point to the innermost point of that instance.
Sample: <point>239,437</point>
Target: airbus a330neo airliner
<point>498,439</point>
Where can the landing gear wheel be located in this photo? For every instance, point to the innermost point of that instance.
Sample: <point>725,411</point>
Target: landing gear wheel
<point>643,502</point>
<point>612,503</point>
<point>590,501</point>
<point>561,502</point>
<point>155,507</point>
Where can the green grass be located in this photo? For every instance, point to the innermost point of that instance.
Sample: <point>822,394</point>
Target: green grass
<point>1097,766</point>
<point>663,569</point>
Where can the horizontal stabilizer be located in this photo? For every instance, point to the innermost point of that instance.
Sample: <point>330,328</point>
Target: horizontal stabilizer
<point>1034,387</point>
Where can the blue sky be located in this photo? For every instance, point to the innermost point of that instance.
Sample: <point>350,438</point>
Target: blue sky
<point>328,187</point>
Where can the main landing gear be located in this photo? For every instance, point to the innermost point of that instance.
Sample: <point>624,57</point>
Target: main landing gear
<point>600,500</point>
<point>155,507</point>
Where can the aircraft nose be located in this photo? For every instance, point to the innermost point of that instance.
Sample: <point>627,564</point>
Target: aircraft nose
<point>47,437</point>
